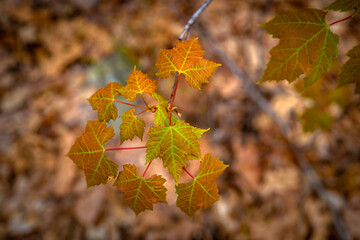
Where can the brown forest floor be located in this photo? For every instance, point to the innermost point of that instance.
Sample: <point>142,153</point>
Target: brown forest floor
<point>55,54</point>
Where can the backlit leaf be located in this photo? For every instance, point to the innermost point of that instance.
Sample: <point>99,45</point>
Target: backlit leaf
<point>102,101</point>
<point>88,153</point>
<point>161,116</point>
<point>307,46</point>
<point>140,193</point>
<point>131,126</point>
<point>138,83</point>
<point>203,191</point>
<point>186,58</point>
<point>345,5</point>
<point>350,71</point>
<point>172,144</point>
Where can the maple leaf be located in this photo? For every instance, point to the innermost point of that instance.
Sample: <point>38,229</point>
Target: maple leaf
<point>161,116</point>
<point>203,191</point>
<point>88,153</point>
<point>138,83</point>
<point>102,101</point>
<point>131,126</point>
<point>172,144</point>
<point>186,58</point>
<point>306,46</point>
<point>345,5</point>
<point>350,71</point>
<point>140,193</point>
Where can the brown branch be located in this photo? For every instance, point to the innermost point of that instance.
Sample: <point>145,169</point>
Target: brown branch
<point>297,152</point>
<point>191,21</point>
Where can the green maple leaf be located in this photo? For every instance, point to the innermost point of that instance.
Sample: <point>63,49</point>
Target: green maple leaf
<point>140,193</point>
<point>186,58</point>
<point>88,153</point>
<point>172,144</point>
<point>102,101</point>
<point>161,116</point>
<point>138,83</point>
<point>307,46</point>
<point>131,126</point>
<point>203,191</point>
<point>350,71</point>
<point>345,5</point>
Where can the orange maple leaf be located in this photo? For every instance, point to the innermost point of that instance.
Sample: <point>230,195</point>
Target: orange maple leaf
<point>203,191</point>
<point>140,193</point>
<point>186,58</point>
<point>138,83</point>
<point>88,153</point>
<point>102,100</point>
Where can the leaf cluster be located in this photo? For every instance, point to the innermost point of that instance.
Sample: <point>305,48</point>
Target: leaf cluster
<point>170,139</point>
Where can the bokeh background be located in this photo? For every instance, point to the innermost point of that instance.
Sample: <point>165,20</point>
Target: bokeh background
<point>56,54</point>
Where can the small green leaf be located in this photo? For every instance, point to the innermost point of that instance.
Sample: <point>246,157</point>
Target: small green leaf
<point>161,116</point>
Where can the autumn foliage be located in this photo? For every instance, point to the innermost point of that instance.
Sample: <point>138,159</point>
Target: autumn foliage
<point>172,140</point>
<point>308,46</point>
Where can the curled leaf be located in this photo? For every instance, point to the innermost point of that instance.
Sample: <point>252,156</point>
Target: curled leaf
<point>102,101</point>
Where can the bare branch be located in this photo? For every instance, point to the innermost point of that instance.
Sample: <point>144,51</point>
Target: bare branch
<point>192,20</point>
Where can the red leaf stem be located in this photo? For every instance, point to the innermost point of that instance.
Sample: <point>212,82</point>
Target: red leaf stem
<point>141,112</point>
<point>146,169</point>
<point>130,104</point>
<point>173,98</point>
<point>340,20</point>
<point>188,173</point>
<point>142,97</point>
<point>128,148</point>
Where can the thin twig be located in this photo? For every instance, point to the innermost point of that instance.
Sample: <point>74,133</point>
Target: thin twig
<point>192,20</point>
<point>302,160</point>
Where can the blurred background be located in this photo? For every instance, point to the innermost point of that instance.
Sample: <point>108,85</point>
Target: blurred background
<point>56,54</point>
